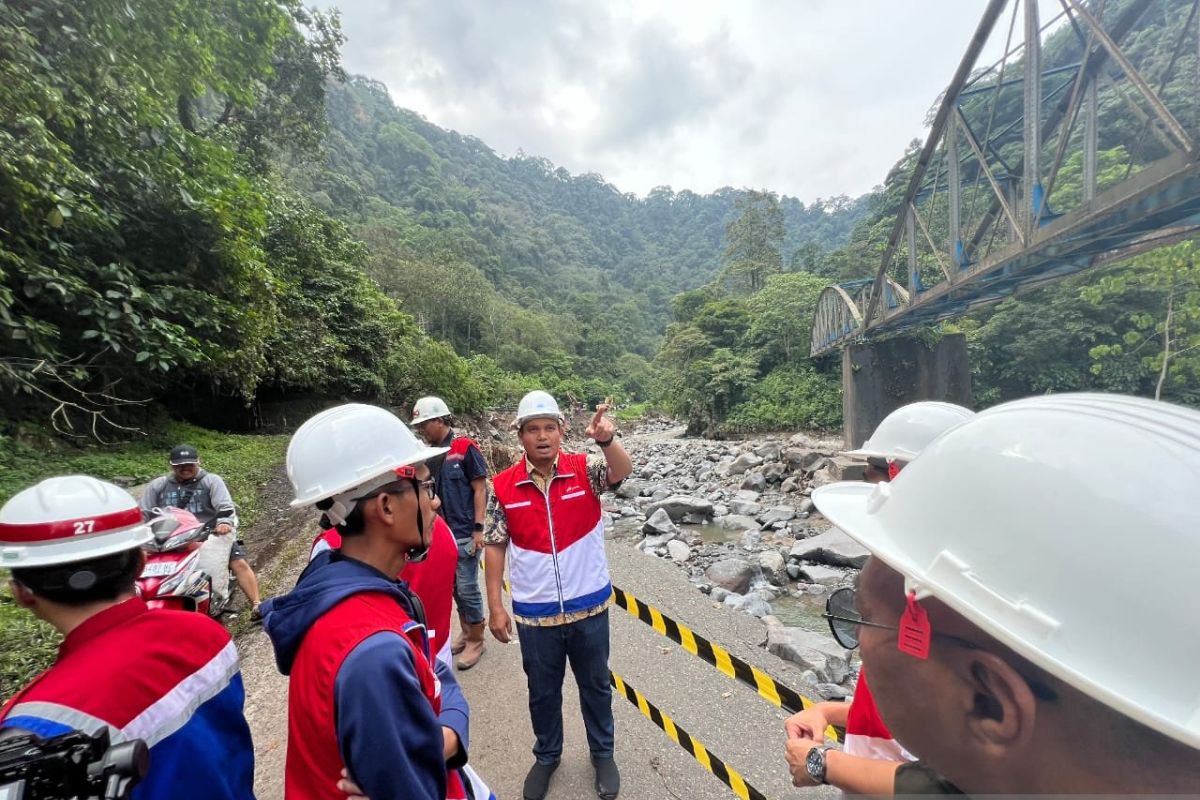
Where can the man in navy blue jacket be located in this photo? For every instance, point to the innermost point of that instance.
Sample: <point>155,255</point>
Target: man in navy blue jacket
<point>366,695</point>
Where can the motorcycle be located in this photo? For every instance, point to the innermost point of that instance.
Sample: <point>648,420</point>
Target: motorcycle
<point>172,576</point>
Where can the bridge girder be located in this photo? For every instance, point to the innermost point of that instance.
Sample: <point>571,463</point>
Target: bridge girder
<point>1027,235</point>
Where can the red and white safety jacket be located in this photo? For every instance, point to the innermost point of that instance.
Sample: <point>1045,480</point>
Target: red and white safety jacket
<point>557,563</point>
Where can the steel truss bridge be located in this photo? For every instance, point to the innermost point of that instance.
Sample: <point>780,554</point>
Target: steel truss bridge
<point>1009,191</point>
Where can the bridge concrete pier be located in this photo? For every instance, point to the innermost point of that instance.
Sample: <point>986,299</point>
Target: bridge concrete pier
<point>879,377</point>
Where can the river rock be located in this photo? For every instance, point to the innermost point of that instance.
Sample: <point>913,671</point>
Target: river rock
<point>794,571</point>
<point>831,691</point>
<point>773,567</point>
<point>768,451</point>
<point>718,594</point>
<point>789,485</point>
<point>810,650</point>
<point>777,514</point>
<point>833,547</point>
<point>754,481</point>
<point>737,522</point>
<point>679,551</point>
<point>630,489</point>
<point>752,539</point>
<point>677,505</point>
<point>659,524</point>
<point>807,506</point>
<point>774,472</point>
<point>755,606</point>
<point>826,576</point>
<point>720,509</point>
<point>652,543</point>
<point>731,574</point>
<point>660,495</point>
<point>744,462</point>
<point>746,508</point>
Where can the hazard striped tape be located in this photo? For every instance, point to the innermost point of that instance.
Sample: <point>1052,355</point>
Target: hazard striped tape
<point>767,687</point>
<point>723,772</point>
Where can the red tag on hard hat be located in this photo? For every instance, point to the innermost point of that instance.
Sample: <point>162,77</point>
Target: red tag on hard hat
<point>893,470</point>
<point>406,471</point>
<point>915,634</point>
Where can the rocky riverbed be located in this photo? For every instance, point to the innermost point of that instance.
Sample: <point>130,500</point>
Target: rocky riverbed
<point>737,517</point>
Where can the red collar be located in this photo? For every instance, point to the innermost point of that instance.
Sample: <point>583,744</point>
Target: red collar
<point>101,623</point>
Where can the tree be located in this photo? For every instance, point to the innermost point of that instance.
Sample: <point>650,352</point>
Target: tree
<point>753,242</point>
<point>1163,338</point>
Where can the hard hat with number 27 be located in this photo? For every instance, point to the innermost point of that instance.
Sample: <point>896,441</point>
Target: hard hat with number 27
<point>68,519</point>
<point>1067,527</point>
<point>428,408</point>
<point>906,431</point>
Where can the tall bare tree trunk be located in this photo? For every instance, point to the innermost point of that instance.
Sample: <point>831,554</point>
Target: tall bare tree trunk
<point>1162,373</point>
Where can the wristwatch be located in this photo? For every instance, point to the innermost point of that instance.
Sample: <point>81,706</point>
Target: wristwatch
<point>607,441</point>
<point>479,527</point>
<point>814,765</point>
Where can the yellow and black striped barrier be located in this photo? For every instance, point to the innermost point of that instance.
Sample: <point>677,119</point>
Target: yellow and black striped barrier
<point>767,687</point>
<point>723,772</point>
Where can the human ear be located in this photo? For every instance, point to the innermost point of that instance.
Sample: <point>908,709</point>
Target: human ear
<point>1003,709</point>
<point>21,593</point>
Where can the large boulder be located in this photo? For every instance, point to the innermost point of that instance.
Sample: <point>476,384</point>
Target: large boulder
<point>754,481</point>
<point>744,462</point>
<point>630,489</point>
<point>810,650</point>
<point>746,508</point>
<point>774,472</point>
<point>731,574</point>
<point>773,567</point>
<point>826,576</point>
<point>737,522</point>
<point>677,505</point>
<point>678,551</point>
<point>833,547</point>
<point>659,524</point>
<point>768,451</point>
<point>777,514</point>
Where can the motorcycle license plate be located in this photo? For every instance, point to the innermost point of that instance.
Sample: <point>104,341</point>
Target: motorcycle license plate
<point>160,569</point>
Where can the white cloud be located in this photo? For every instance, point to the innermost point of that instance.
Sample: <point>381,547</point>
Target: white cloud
<point>810,98</point>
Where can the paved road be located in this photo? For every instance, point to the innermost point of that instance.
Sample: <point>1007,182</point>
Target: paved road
<point>729,718</point>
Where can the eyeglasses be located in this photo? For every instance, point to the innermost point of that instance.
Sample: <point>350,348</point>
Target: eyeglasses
<point>845,620</point>
<point>399,487</point>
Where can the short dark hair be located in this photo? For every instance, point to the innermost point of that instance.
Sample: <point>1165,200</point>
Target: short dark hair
<point>356,523</point>
<point>81,583</point>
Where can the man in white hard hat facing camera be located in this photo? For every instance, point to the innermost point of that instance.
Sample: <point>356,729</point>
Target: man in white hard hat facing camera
<point>169,678</point>
<point>1004,649</point>
<point>545,517</point>
<point>365,694</point>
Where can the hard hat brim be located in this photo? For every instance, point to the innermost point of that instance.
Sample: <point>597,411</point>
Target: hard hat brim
<point>416,458</point>
<point>418,421</point>
<point>67,551</point>
<point>865,453</point>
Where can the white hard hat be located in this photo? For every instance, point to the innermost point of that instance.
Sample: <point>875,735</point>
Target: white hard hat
<point>1021,521</point>
<point>537,404</point>
<point>347,447</point>
<point>906,431</point>
<point>428,408</point>
<point>68,519</point>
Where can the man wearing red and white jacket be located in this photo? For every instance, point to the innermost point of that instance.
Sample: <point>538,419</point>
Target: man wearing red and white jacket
<point>168,678</point>
<point>545,517</point>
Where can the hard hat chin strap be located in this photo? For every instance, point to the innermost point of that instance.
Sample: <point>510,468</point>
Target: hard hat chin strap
<point>416,555</point>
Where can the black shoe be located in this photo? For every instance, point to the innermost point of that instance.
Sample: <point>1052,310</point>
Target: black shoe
<point>608,779</point>
<point>537,782</point>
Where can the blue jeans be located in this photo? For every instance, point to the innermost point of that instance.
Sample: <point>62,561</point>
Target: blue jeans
<point>545,652</point>
<point>466,584</point>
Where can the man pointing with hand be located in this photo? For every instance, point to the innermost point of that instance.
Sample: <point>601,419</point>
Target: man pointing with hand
<point>545,517</point>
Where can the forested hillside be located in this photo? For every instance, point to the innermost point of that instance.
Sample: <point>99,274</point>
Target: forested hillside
<point>198,207</point>
<point>736,354</point>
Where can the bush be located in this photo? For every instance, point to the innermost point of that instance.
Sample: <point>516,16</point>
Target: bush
<point>791,397</point>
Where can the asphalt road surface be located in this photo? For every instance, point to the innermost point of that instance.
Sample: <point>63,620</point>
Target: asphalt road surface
<point>730,719</point>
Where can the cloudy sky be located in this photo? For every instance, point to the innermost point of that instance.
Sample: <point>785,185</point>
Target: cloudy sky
<point>810,98</point>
